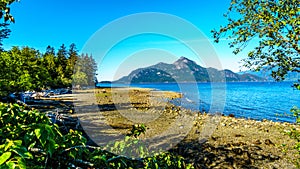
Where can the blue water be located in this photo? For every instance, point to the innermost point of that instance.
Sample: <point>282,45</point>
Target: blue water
<point>255,100</point>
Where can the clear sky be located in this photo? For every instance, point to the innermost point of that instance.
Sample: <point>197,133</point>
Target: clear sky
<point>40,23</point>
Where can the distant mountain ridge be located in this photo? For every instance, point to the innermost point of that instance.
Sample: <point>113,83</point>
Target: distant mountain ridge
<point>266,74</point>
<point>185,70</point>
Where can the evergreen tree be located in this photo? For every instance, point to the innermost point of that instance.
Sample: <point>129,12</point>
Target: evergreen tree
<point>49,62</point>
<point>61,63</point>
<point>85,71</point>
<point>50,50</point>
<point>73,57</point>
<point>4,33</point>
<point>90,68</point>
<point>93,70</point>
<point>62,55</point>
<point>22,70</point>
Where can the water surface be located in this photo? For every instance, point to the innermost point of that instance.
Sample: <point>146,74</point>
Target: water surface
<point>255,100</point>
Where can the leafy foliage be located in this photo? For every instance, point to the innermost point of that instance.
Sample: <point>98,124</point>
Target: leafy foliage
<point>296,85</point>
<point>4,33</point>
<point>29,140</point>
<point>276,23</point>
<point>6,16</point>
<point>137,130</point>
<point>166,160</point>
<point>5,10</point>
<point>296,111</point>
<point>131,146</point>
<point>28,69</point>
<point>21,70</point>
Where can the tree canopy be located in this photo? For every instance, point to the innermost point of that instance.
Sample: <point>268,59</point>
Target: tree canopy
<point>276,26</point>
<point>5,16</point>
<point>5,10</point>
<point>26,68</point>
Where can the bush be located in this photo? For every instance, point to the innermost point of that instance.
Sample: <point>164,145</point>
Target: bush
<point>28,139</point>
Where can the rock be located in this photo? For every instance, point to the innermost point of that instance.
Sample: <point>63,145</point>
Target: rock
<point>273,157</point>
<point>231,115</point>
<point>238,135</point>
<point>269,142</point>
<point>238,144</point>
<point>255,148</point>
<point>214,138</point>
<point>257,142</point>
<point>257,156</point>
<point>238,151</point>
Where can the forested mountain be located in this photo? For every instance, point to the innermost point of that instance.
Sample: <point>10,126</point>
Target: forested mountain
<point>184,70</point>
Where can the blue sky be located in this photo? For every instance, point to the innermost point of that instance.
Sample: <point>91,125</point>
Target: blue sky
<point>40,23</point>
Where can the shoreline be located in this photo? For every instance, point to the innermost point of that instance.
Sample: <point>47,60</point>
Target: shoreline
<point>291,118</point>
<point>169,94</point>
<point>247,142</point>
<point>244,142</point>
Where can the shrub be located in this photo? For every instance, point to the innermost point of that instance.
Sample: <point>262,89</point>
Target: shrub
<point>28,139</point>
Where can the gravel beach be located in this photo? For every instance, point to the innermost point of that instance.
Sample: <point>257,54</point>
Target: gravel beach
<point>207,141</point>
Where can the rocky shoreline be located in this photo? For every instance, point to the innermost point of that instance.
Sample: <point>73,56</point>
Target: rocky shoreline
<point>206,141</point>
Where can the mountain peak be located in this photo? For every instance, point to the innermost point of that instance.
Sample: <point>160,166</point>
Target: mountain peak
<point>183,59</point>
<point>183,62</point>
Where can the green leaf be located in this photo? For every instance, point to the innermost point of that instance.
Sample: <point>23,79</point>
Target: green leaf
<point>18,143</point>
<point>38,133</point>
<point>51,147</point>
<point>22,152</point>
<point>11,164</point>
<point>5,156</point>
<point>8,145</point>
<point>21,163</point>
<point>41,137</point>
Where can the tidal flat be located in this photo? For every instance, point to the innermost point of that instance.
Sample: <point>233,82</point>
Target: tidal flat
<point>207,141</point>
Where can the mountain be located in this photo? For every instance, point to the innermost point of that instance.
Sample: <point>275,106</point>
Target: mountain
<point>184,70</point>
<point>266,74</point>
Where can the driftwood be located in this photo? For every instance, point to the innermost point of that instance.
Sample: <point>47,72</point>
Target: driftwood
<point>57,110</point>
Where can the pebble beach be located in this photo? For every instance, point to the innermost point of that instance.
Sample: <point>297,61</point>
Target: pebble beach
<point>207,141</point>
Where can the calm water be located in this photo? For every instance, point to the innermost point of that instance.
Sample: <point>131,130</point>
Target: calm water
<point>255,100</point>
